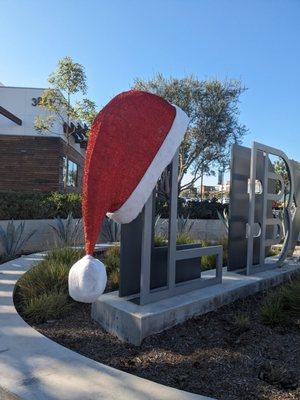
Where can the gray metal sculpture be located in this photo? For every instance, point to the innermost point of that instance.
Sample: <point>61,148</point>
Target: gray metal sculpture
<point>149,273</point>
<point>253,227</point>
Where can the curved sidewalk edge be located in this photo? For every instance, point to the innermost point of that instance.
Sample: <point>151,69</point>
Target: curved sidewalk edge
<point>33,367</point>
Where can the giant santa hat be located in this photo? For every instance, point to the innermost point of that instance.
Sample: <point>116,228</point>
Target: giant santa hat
<point>132,140</point>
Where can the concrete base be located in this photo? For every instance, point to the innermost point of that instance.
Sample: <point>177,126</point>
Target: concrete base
<point>132,323</point>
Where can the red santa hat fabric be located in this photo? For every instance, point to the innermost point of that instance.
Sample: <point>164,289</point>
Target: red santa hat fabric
<point>132,140</point>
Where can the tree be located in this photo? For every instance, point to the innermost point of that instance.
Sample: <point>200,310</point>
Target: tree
<point>190,193</point>
<point>280,169</point>
<point>212,107</point>
<point>67,80</point>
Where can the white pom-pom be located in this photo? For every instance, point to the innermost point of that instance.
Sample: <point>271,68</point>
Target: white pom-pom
<point>87,279</point>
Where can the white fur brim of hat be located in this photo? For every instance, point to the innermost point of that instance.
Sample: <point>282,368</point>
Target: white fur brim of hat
<point>87,279</point>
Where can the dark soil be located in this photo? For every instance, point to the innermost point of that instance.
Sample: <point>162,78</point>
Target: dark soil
<point>208,355</point>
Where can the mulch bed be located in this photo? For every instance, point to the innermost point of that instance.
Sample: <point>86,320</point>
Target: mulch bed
<point>207,355</point>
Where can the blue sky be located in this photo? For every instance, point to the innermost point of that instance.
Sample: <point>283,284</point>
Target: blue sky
<point>118,40</point>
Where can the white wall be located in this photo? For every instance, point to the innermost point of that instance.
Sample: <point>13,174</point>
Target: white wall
<point>19,102</point>
<point>201,229</point>
<point>45,238</point>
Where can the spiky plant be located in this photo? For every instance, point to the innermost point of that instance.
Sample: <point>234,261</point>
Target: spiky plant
<point>13,239</point>
<point>66,231</point>
<point>184,225</point>
<point>111,231</point>
<point>224,219</point>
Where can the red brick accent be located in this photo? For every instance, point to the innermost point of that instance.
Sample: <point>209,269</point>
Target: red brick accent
<point>34,163</point>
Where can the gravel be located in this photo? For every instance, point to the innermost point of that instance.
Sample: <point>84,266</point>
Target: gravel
<point>210,355</point>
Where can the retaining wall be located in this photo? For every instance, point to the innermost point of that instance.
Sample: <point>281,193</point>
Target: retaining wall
<point>45,237</point>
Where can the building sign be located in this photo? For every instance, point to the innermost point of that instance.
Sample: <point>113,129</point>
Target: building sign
<point>265,217</point>
<point>35,101</point>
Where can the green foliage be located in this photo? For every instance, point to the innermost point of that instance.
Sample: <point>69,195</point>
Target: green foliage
<point>13,239</point>
<point>189,193</point>
<point>46,307</point>
<point>278,375</point>
<point>67,80</point>
<point>42,292</point>
<point>193,209</point>
<point>112,258</point>
<point>66,231</point>
<point>111,231</point>
<point>241,323</point>
<point>272,312</point>
<point>112,263</point>
<point>273,251</point>
<point>43,124</point>
<point>45,277</point>
<point>184,238</point>
<point>212,107</point>
<point>291,298</point>
<point>86,111</point>
<point>160,240</point>
<point>49,274</point>
<point>69,76</point>
<point>184,225</point>
<point>283,306</point>
<point>20,205</point>
<point>113,280</point>
<point>209,262</point>
<point>64,255</point>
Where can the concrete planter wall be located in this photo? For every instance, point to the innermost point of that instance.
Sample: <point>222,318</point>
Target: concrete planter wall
<point>202,229</point>
<point>45,238</point>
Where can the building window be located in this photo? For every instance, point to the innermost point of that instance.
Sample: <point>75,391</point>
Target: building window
<point>70,172</point>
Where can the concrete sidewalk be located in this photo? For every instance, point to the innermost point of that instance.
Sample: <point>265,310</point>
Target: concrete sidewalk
<point>32,367</point>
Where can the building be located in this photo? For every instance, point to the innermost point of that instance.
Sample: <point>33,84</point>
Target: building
<point>31,161</point>
<point>206,192</point>
<point>220,192</point>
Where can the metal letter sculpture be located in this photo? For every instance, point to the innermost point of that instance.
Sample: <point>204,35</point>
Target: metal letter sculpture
<point>150,273</point>
<point>253,227</point>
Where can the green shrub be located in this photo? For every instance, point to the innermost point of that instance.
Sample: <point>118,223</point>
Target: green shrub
<point>273,251</point>
<point>160,240</point>
<point>241,323</point>
<point>291,298</point>
<point>20,205</point>
<point>272,311</point>
<point>283,306</point>
<point>51,274</point>
<point>209,262</point>
<point>113,280</point>
<point>47,306</point>
<point>111,259</point>
<point>46,277</point>
<point>193,209</point>
<point>42,292</point>
<point>65,255</point>
<point>184,238</point>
